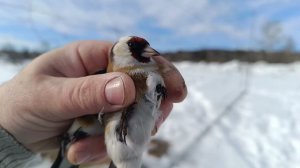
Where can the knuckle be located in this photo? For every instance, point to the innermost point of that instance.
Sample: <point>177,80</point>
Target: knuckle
<point>82,97</point>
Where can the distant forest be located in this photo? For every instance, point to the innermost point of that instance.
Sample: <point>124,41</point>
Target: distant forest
<point>219,56</point>
<point>230,55</point>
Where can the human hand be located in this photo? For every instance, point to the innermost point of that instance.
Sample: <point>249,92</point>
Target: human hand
<point>40,102</point>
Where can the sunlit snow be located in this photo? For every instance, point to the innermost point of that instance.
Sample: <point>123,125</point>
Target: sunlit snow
<point>235,116</point>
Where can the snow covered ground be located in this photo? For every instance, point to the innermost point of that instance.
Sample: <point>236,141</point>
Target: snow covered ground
<point>235,116</point>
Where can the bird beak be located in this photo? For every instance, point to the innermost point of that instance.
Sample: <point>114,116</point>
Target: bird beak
<point>149,52</point>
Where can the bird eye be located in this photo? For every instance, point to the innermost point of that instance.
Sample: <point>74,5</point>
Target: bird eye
<point>132,44</point>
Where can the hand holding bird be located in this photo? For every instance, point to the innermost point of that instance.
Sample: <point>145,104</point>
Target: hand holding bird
<point>43,99</point>
<point>127,131</point>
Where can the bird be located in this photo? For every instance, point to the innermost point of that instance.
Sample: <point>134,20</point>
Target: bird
<point>127,132</point>
<point>81,127</point>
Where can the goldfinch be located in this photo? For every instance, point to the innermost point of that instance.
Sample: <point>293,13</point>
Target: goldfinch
<point>127,132</point>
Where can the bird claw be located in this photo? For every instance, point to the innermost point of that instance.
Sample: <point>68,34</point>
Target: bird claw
<point>122,133</point>
<point>101,116</point>
<point>161,90</point>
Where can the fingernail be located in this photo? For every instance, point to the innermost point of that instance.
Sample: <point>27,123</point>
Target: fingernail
<point>82,157</point>
<point>114,91</point>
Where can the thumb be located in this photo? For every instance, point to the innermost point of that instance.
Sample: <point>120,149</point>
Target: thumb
<point>97,93</point>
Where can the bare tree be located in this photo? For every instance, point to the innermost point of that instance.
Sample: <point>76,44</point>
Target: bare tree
<point>274,39</point>
<point>290,45</point>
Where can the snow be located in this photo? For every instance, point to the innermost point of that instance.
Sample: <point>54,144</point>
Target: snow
<point>235,115</point>
<point>7,71</point>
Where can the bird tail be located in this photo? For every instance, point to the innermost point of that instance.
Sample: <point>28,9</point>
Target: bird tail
<point>62,162</point>
<point>112,165</point>
<point>134,163</point>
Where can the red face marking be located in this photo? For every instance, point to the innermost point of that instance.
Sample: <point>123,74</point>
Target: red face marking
<point>136,47</point>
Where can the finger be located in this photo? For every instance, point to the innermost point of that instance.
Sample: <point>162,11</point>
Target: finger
<point>77,59</point>
<point>175,84</point>
<point>74,97</point>
<point>87,150</point>
<point>166,108</point>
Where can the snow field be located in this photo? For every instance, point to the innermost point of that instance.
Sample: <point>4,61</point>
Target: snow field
<point>235,115</point>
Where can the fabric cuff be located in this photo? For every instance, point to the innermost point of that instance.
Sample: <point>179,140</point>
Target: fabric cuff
<point>12,153</point>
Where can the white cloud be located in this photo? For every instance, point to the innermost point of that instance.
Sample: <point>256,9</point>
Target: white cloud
<point>194,17</point>
<point>69,17</point>
<point>236,19</point>
<point>189,17</point>
<point>260,4</point>
<point>112,18</point>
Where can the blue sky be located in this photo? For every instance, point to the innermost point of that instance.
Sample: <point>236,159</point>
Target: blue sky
<point>168,25</point>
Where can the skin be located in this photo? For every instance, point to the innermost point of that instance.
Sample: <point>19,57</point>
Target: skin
<point>41,101</point>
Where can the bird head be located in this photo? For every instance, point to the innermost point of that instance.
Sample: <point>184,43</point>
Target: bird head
<point>132,51</point>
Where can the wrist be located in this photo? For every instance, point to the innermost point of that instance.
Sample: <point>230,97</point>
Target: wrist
<point>12,154</point>
<point>1,105</point>
<point>6,123</point>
